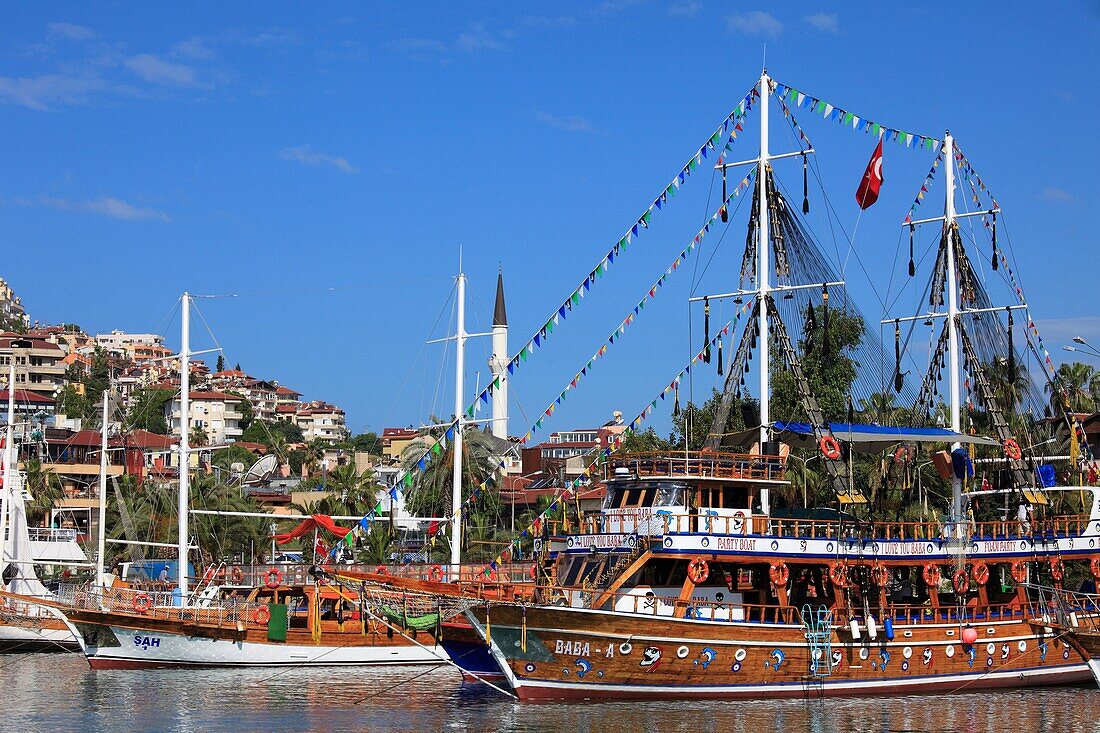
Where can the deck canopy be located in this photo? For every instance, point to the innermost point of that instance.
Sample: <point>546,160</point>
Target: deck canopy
<point>862,437</point>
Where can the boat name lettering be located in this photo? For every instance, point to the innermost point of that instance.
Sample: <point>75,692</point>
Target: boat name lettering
<point>600,540</point>
<point>146,641</point>
<point>998,546</point>
<point>746,544</point>
<point>572,648</point>
<point>902,548</point>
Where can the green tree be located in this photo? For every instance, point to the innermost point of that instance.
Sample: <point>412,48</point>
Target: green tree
<point>146,410</point>
<point>365,443</point>
<point>827,364</point>
<point>220,365</point>
<point>1077,381</point>
<point>430,495</point>
<point>272,434</point>
<point>45,489</point>
<point>84,388</point>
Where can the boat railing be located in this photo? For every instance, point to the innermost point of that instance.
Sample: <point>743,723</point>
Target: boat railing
<point>1065,608</point>
<point>698,464</point>
<point>163,605</point>
<point>51,534</point>
<point>278,575</point>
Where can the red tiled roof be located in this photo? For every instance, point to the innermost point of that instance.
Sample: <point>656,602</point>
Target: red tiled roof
<point>252,447</point>
<point>25,395</point>
<point>145,439</point>
<point>229,373</point>
<point>215,397</point>
<point>36,343</point>
<point>286,390</point>
<point>399,433</point>
<point>286,408</point>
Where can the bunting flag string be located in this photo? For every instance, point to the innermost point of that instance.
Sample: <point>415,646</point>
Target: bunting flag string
<point>727,131</point>
<point>925,186</point>
<point>971,175</point>
<point>632,427</point>
<point>851,120</point>
<point>789,116</point>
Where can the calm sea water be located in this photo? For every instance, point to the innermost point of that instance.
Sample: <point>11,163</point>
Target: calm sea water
<point>59,693</point>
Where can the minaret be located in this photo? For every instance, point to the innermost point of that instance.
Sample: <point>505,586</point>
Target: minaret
<point>498,363</point>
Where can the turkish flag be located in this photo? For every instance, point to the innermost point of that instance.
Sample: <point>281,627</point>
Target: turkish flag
<point>867,193</point>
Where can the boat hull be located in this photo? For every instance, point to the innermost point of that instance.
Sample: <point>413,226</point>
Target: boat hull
<point>48,635</point>
<point>469,651</point>
<point>560,653</point>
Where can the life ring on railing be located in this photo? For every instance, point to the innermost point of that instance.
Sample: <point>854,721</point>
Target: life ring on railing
<point>80,600</point>
<point>779,574</point>
<point>1012,449</point>
<point>236,575</point>
<point>698,570</point>
<point>534,572</point>
<point>931,575</point>
<point>273,578</point>
<point>380,570</point>
<point>879,575</point>
<point>838,575</point>
<point>261,615</point>
<point>740,525</point>
<point>961,581</point>
<point>1094,567</point>
<point>210,573</point>
<point>436,574</point>
<point>830,448</point>
<point>980,572</point>
<point>142,603</point>
<point>1019,571</point>
<point>1057,568</point>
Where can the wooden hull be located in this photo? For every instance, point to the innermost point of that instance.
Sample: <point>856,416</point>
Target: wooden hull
<point>563,653</point>
<point>119,641</point>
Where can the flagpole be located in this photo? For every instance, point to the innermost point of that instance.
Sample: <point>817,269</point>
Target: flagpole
<point>952,318</point>
<point>763,275</point>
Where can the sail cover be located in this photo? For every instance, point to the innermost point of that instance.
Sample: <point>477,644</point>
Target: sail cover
<point>17,559</point>
<point>866,436</point>
<point>323,521</point>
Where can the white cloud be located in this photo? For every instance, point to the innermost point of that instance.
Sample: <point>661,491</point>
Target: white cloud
<point>307,155</point>
<point>46,90</point>
<point>477,38</point>
<point>755,22</point>
<point>568,123</point>
<point>824,22</point>
<point>193,48</point>
<point>1057,194</point>
<point>685,9</point>
<point>70,31</point>
<point>156,70</point>
<point>104,206</point>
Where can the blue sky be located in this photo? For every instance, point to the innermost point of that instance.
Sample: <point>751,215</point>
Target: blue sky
<point>327,165</point>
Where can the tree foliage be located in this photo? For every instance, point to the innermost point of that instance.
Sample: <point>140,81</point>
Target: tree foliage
<point>146,410</point>
<point>827,364</point>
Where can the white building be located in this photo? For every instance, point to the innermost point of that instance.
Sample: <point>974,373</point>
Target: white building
<point>121,342</point>
<point>218,414</point>
<point>321,421</point>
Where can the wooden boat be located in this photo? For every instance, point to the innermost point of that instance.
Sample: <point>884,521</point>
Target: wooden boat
<point>683,601</point>
<point>1072,616</point>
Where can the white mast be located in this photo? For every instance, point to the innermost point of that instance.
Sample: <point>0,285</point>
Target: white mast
<point>184,448</point>
<point>763,274</point>
<point>952,313</point>
<point>7,496</point>
<point>102,548</point>
<point>456,488</point>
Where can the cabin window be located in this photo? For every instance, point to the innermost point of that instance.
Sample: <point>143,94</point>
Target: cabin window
<point>670,495</point>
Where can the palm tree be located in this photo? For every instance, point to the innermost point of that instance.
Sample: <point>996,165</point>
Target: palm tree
<point>45,490</point>
<point>430,495</point>
<point>197,437</point>
<point>1073,382</point>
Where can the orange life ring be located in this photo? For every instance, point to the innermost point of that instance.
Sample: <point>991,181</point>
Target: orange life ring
<point>1019,571</point>
<point>380,570</point>
<point>980,572</point>
<point>698,570</point>
<point>209,573</point>
<point>779,574</point>
<point>261,615</point>
<point>932,575</point>
<point>1012,449</point>
<point>1057,568</point>
<point>879,575</point>
<point>236,575</point>
<point>273,578</point>
<point>534,572</point>
<point>961,581</point>
<point>838,575</point>
<point>830,448</point>
<point>435,574</point>
<point>80,600</point>
<point>1094,567</point>
<point>142,603</point>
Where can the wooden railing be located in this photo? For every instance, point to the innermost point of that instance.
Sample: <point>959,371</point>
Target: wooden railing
<point>698,464</point>
<point>223,612</point>
<point>258,575</point>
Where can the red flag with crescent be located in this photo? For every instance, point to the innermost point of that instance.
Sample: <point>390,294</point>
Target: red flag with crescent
<point>867,193</point>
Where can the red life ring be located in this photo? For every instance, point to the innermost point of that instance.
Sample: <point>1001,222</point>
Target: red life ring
<point>1057,568</point>
<point>435,574</point>
<point>236,575</point>
<point>1094,567</point>
<point>980,572</point>
<point>380,570</point>
<point>1019,571</point>
<point>273,578</point>
<point>779,574</point>
<point>838,575</point>
<point>879,575</point>
<point>961,581</point>
<point>261,615</point>
<point>534,571</point>
<point>698,570</point>
<point>903,453</point>
<point>209,573</point>
<point>1012,449</point>
<point>142,603</point>
<point>932,575</point>
<point>830,448</point>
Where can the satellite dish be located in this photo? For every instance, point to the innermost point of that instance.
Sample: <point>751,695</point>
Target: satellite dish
<point>260,471</point>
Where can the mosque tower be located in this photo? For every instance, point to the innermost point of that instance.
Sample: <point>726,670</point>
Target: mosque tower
<point>498,363</point>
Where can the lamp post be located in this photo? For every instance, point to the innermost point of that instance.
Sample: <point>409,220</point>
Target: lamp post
<point>1088,348</point>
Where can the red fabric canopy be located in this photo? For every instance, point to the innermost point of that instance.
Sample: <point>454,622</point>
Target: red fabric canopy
<point>323,521</point>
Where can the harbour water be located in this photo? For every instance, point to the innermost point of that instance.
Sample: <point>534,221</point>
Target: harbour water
<point>60,693</point>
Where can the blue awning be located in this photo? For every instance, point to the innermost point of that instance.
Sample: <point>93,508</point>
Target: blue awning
<point>881,434</point>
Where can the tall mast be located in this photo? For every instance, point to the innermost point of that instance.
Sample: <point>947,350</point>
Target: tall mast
<point>762,263</point>
<point>456,484</point>
<point>952,313</point>
<point>102,548</point>
<point>8,495</point>
<point>184,448</point>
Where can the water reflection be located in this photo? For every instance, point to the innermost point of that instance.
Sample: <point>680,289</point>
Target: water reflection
<point>59,693</point>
